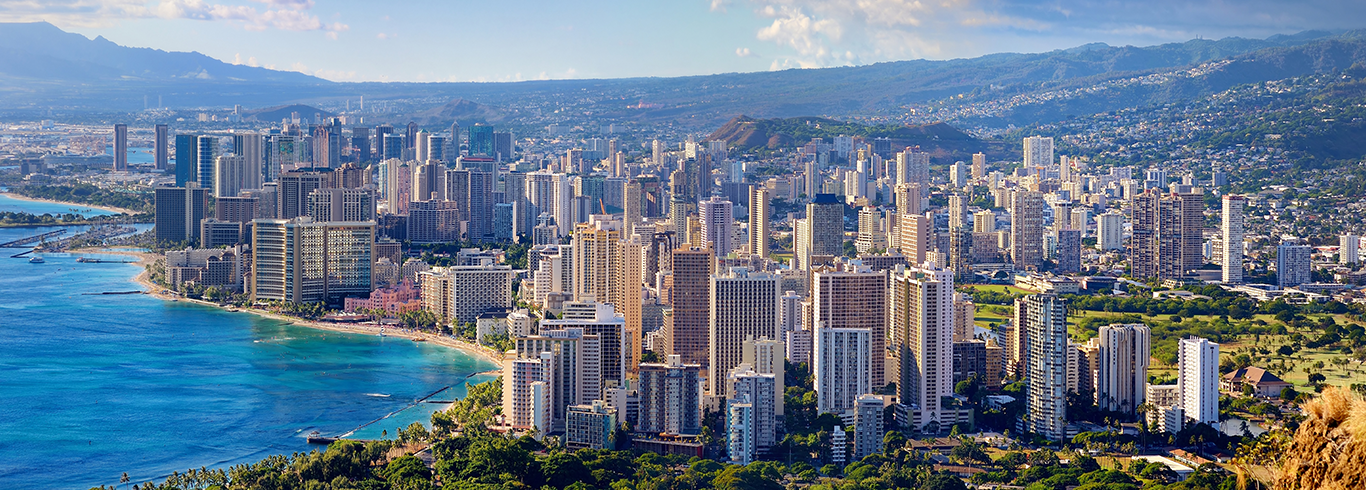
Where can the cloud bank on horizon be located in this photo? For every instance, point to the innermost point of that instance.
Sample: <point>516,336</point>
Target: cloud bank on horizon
<point>501,41</point>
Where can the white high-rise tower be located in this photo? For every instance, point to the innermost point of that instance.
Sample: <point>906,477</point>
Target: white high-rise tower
<point>1231,234</point>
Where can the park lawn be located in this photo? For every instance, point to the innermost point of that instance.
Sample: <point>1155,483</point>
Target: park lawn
<point>988,314</point>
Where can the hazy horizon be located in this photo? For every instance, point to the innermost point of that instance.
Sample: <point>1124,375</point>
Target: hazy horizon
<point>529,40</point>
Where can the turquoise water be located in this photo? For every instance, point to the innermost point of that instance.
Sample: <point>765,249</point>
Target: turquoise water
<point>98,385</point>
<point>12,205</point>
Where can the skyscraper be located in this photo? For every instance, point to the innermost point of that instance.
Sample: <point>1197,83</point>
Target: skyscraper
<point>841,367</point>
<point>1197,381</point>
<point>1349,249</point>
<point>1026,229</point>
<point>207,154</point>
<point>1045,326</point>
<point>1069,251</point>
<point>914,232</point>
<point>304,261</point>
<point>1293,264</point>
<point>186,159</point>
<point>481,140</point>
<point>922,341</point>
<point>855,299</point>
<point>670,397</point>
<point>120,147</point>
<point>230,174</point>
<point>979,165</point>
<point>250,146</point>
<point>825,218</point>
<point>161,147</point>
<point>1231,234</point>
<point>1167,235</point>
<point>744,306</point>
<point>1038,152</point>
<point>718,225</point>
<point>1122,367</point>
<point>759,228</point>
<point>179,211</point>
<point>686,327</point>
<point>1110,231</point>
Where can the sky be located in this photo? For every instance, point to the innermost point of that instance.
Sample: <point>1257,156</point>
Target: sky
<point>509,40</point>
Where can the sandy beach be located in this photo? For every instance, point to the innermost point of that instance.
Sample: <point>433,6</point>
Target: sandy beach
<point>111,209</point>
<point>143,279</point>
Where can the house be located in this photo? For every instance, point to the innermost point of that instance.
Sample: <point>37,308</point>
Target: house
<point>1262,382</point>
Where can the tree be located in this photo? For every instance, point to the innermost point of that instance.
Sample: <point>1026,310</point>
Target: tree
<point>562,469</point>
<point>1316,378</point>
<point>943,481</point>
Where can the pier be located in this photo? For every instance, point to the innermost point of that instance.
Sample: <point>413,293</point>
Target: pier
<point>32,239</point>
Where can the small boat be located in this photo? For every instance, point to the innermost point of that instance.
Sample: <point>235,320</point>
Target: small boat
<point>36,260</point>
<point>419,339</point>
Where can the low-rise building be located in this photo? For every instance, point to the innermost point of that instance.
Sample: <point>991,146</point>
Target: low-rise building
<point>591,426</point>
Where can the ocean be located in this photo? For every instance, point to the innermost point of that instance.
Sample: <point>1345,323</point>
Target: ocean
<point>98,385</point>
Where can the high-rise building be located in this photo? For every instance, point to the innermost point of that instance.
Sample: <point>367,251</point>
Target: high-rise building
<point>595,259</point>
<point>922,341</point>
<point>186,159</point>
<point>481,140</point>
<point>1197,380</point>
<point>1167,234</point>
<point>1045,325</point>
<point>1069,251</point>
<point>1038,152</point>
<point>603,321</point>
<point>237,209</point>
<point>757,390</point>
<point>841,367</point>
<point>250,146</point>
<point>868,433</point>
<point>979,165</point>
<point>687,323</point>
<point>759,227</point>
<point>434,221</point>
<point>964,314</point>
<point>984,221</point>
<point>590,426</point>
<point>825,215</point>
<point>230,174</point>
<point>161,147</point>
<point>207,153</point>
<point>1349,249</point>
<point>179,211</point>
<point>870,235</point>
<point>1231,236</point>
<point>305,261</point>
<point>1293,265</point>
<point>527,397</point>
<point>1122,367</point>
<point>855,299</point>
<point>120,147</point>
<point>741,425</point>
<point>670,397</point>
<point>293,189</point>
<point>334,204</point>
<point>744,306</point>
<point>767,356</point>
<point>915,231</point>
<point>1110,231</point>
<point>1026,228</point>
<point>913,167</point>
<point>576,373</point>
<point>459,294</point>
<point>718,225</point>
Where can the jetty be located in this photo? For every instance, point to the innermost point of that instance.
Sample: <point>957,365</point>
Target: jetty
<point>32,239</point>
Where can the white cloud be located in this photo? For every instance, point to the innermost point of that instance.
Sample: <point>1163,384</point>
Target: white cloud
<point>289,15</point>
<point>744,53</point>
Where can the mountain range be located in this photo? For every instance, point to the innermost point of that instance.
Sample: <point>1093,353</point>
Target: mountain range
<point>42,66</point>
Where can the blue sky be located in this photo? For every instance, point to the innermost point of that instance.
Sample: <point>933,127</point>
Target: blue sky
<point>503,40</point>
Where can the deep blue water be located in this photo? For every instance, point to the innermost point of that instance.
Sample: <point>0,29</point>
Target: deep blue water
<point>94,386</point>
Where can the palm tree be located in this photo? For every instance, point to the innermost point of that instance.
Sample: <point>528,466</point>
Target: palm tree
<point>124,479</point>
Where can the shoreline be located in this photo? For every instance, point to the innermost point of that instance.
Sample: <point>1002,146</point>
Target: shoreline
<point>111,209</point>
<point>154,290</point>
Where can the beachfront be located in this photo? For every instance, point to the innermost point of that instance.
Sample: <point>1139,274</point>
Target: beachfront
<point>143,279</point>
